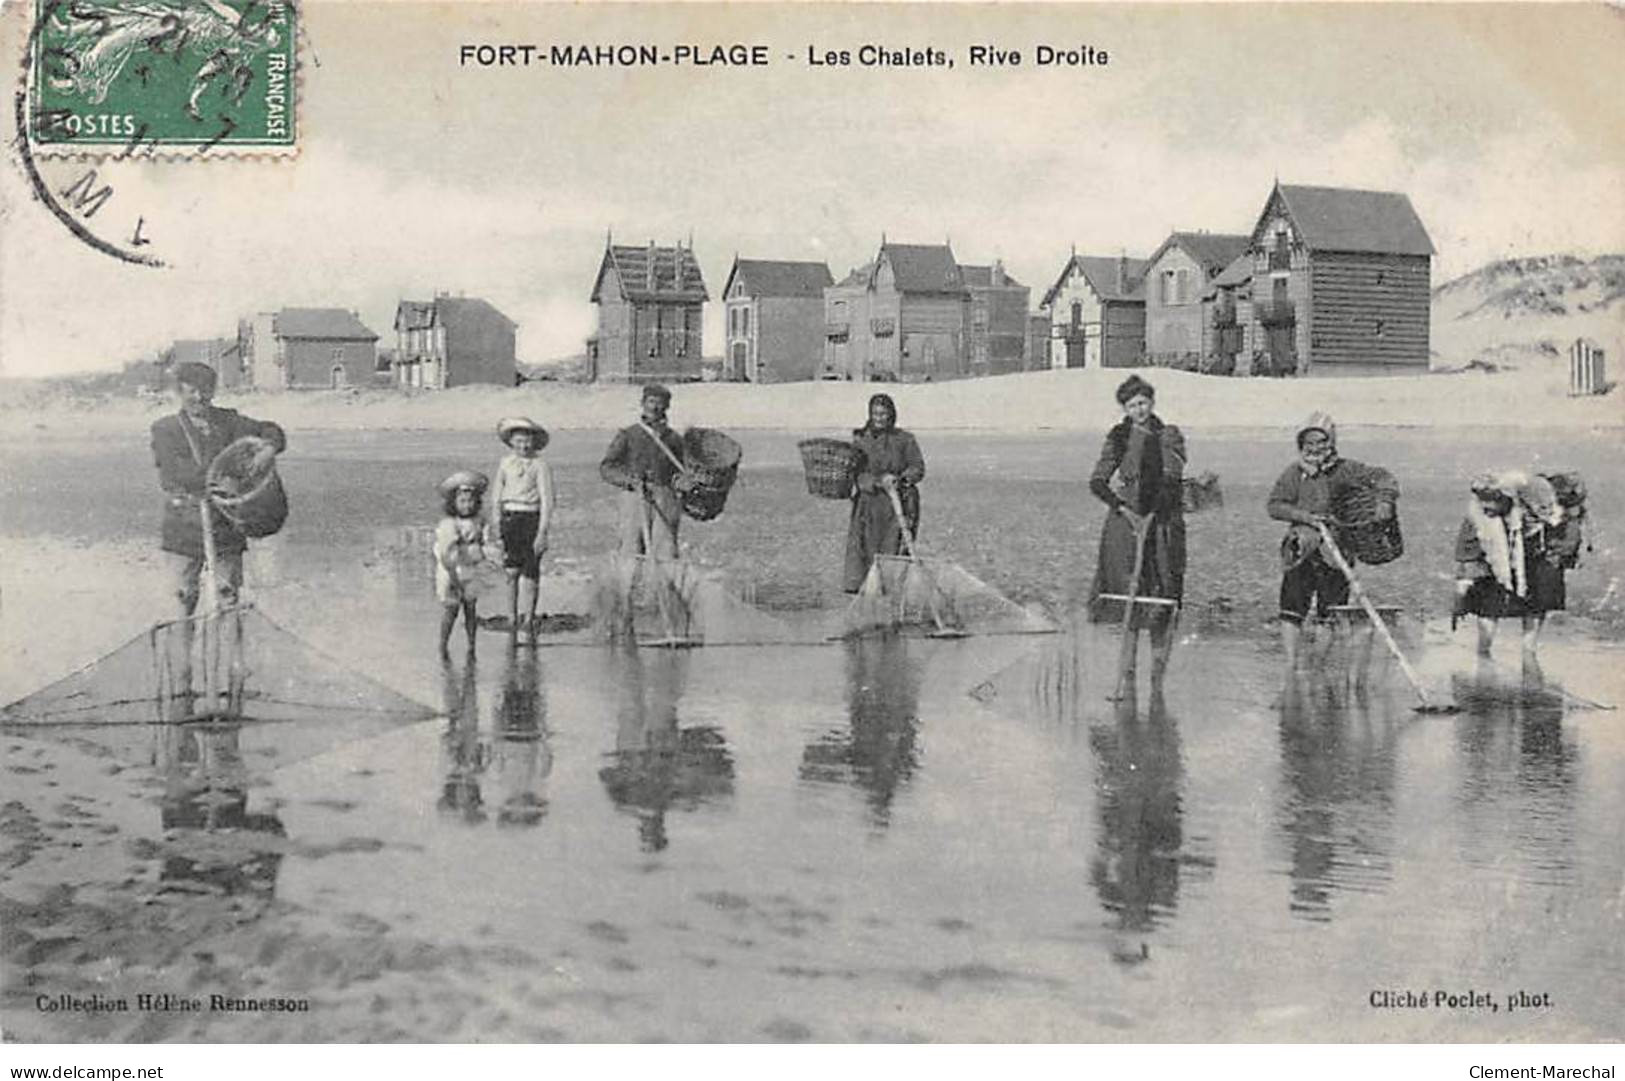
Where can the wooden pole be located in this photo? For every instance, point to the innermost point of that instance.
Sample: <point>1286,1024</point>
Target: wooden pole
<point>1131,639</point>
<point>1373,615</point>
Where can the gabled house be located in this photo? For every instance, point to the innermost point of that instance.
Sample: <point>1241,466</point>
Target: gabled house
<point>650,304</point>
<point>996,323</point>
<point>1177,278</point>
<point>1096,312</point>
<point>307,348</point>
<point>899,318</point>
<point>1340,282</point>
<point>453,341</point>
<point>773,315</point>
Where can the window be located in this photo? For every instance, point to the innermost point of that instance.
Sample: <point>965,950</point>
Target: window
<point>744,321</point>
<point>1183,287</point>
<point>1077,314</point>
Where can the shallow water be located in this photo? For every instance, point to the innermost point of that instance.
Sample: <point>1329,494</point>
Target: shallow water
<point>881,839</point>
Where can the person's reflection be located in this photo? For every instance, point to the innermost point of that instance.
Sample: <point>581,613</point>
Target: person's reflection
<point>464,753</point>
<point>1139,778</point>
<point>877,751</point>
<point>1336,808</point>
<point>658,765</point>
<point>1518,775</point>
<point>523,755</point>
<point>206,790</point>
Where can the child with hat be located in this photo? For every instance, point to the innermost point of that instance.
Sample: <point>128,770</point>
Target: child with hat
<point>521,509</point>
<point>458,550</point>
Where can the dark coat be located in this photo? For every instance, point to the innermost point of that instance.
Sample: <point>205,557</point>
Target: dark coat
<point>873,528</point>
<point>181,474</point>
<point>1149,467</point>
<point>633,457</point>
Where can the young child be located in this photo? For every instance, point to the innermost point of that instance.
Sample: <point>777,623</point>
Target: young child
<point>459,547</point>
<point>521,510</point>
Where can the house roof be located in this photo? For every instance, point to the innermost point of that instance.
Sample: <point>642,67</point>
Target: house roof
<point>675,273</point>
<point>1239,272</point>
<point>982,276</point>
<point>421,314</point>
<point>780,278</point>
<point>329,323</point>
<point>1100,271</point>
<point>1350,220</point>
<point>1212,251</point>
<point>922,268</point>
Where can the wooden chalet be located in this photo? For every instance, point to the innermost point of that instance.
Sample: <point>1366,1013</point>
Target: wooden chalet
<point>650,305</point>
<point>1096,313</point>
<point>224,355</point>
<point>773,318</point>
<point>1177,278</point>
<point>1340,283</point>
<point>453,341</point>
<point>996,320</point>
<point>900,318</point>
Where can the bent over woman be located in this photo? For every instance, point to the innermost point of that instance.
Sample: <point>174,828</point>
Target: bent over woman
<point>1140,476</point>
<point>891,463</point>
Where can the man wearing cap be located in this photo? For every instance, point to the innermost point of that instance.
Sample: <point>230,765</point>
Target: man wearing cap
<point>522,503</point>
<point>183,445</point>
<point>1302,496</point>
<point>644,460</point>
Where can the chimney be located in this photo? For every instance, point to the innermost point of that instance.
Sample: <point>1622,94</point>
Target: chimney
<point>1122,273</point>
<point>998,271</point>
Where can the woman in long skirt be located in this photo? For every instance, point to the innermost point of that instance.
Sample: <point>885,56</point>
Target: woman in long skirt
<point>1140,477</point>
<point>891,462</point>
<point>1512,550</point>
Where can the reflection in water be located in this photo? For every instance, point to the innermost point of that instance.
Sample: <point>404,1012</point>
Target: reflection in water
<point>877,752</point>
<point>657,765</point>
<point>206,792</point>
<point>524,756</point>
<point>1337,800</point>
<point>1518,777</point>
<point>1138,781</point>
<point>464,754</point>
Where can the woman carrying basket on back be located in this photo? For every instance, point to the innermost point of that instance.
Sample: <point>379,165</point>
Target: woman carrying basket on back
<point>891,462</point>
<point>1145,526</point>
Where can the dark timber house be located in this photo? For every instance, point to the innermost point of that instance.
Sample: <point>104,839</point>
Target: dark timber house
<point>1340,283</point>
<point>650,302</point>
<point>453,341</point>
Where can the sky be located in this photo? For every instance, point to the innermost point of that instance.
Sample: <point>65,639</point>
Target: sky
<point>416,174</point>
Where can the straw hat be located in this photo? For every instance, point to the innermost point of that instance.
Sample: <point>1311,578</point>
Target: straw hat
<point>464,478</point>
<point>509,425</point>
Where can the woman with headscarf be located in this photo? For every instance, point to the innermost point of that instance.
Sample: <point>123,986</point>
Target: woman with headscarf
<point>1511,551</point>
<point>891,463</point>
<point>1140,476</point>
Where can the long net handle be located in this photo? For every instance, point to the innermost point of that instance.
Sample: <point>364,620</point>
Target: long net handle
<point>1130,643</point>
<point>931,586</point>
<point>1371,611</point>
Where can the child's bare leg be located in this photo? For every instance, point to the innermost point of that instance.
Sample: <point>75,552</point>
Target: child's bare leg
<point>471,621</point>
<point>530,591</point>
<point>1162,647</point>
<point>513,599</point>
<point>1291,635</point>
<point>1486,635</point>
<point>1531,640</point>
<point>448,618</point>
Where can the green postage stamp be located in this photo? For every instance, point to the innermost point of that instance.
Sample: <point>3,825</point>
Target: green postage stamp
<point>142,76</point>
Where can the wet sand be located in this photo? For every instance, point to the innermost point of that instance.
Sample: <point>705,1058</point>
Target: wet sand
<point>886,840</point>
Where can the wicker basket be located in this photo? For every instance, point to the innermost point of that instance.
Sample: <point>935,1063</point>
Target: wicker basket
<point>831,467</point>
<point>713,466</point>
<point>250,499</point>
<point>1361,534</point>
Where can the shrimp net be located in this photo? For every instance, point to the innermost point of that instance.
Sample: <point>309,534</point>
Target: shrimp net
<point>935,596</point>
<point>676,602</point>
<point>232,669</point>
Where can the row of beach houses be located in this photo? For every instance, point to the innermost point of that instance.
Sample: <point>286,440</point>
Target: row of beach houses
<point>1328,281</point>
